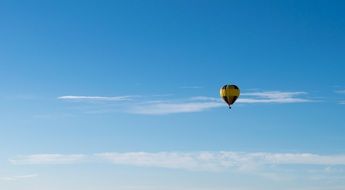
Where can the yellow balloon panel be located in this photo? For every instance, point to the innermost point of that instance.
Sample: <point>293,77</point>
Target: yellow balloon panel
<point>229,93</point>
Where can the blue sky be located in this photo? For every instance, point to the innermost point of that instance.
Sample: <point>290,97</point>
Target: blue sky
<point>125,95</point>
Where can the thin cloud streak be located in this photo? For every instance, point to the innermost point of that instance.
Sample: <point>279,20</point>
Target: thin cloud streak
<point>170,108</point>
<point>153,106</point>
<point>273,97</point>
<point>340,91</point>
<point>19,177</point>
<point>191,161</point>
<point>274,94</point>
<point>96,98</point>
<point>36,159</point>
<point>219,161</point>
<point>202,103</point>
<point>285,100</point>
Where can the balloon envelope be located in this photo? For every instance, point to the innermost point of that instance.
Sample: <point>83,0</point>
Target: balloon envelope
<point>229,93</point>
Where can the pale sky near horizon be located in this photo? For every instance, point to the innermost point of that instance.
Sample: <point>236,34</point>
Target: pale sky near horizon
<point>125,95</point>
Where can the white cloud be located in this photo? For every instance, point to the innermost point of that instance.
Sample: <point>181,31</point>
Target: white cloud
<point>152,106</point>
<point>202,103</point>
<point>274,94</point>
<point>161,108</point>
<point>96,98</point>
<point>205,98</point>
<point>172,160</point>
<point>219,161</point>
<point>19,177</point>
<point>48,159</point>
<point>340,91</point>
<point>299,158</point>
<point>193,161</point>
<point>273,97</point>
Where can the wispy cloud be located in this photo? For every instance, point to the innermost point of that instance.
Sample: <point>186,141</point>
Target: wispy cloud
<point>219,161</point>
<point>202,103</point>
<point>340,91</point>
<point>150,105</point>
<point>192,161</point>
<point>18,177</point>
<point>161,108</point>
<point>274,97</point>
<point>157,105</point>
<point>96,98</point>
<point>49,159</point>
<point>172,160</point>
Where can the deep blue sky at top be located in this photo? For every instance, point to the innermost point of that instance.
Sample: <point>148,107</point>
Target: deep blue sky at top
<point>50,49</point>
<point>131,47</point>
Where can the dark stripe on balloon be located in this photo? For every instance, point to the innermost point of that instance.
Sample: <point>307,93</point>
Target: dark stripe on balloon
<point>225,98</point>
<point>234,99</point>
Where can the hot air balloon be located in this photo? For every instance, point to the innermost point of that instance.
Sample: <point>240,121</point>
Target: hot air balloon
<point>229,94</point>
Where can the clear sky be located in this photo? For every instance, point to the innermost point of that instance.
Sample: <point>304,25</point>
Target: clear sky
<point>124,95</point>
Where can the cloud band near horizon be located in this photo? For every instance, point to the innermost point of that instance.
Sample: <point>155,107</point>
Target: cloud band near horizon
<point>193,161</point>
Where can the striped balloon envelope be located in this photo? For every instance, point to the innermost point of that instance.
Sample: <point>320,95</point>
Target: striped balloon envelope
<point>229,93</point>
